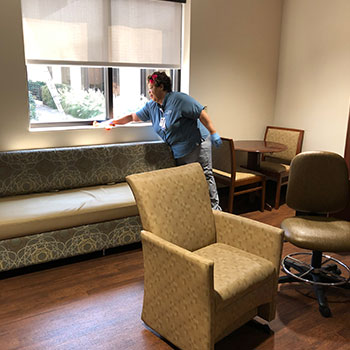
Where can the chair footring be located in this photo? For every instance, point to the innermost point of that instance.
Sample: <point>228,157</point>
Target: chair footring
<point>328,273</point>
<point>318,273</point>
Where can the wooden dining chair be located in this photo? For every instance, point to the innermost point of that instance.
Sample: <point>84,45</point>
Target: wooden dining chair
<point>239,180</point>
<point>276,165</point>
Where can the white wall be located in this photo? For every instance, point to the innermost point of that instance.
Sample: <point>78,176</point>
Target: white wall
<point>233,63</point>
<point>14,130</point>
<point>314,73</point>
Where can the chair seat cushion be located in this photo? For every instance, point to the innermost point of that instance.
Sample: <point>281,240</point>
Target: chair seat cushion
<point>318,233</point>
<point>41,212</point>
<point>241,174</point>
<point>274,167</point>
<point>236,272</point>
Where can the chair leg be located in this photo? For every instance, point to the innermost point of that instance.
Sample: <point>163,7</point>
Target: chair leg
<point>317,274</point>
<point>287,279</point>
<point>278,193</point>
<point>316,262</point>
<point>230,199</point>
<point>263,192</point>
<point>322,301</point>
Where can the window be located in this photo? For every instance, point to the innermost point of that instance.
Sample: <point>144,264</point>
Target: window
<point>75,95</point>
<point>66,94</point>
<point>88,59</point>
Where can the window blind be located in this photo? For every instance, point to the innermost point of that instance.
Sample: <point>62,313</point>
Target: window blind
<point>143,33</point>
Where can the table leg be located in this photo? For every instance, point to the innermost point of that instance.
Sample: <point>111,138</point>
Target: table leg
<point>253,162</point>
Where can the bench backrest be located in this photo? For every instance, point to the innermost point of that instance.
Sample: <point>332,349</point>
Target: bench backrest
<point>51,169</point>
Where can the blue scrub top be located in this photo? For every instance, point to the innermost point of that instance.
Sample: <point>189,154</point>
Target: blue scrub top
<point>176,122</point>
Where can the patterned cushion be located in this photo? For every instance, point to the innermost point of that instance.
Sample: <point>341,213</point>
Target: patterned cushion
<point>236,272</point>
<point>249,235</point>
<point>186,220</point>
<point>49,246</point>
<point>43,170</point>
<point>287,137</point>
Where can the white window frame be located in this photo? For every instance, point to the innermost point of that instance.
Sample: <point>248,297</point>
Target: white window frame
<point>108,86</point>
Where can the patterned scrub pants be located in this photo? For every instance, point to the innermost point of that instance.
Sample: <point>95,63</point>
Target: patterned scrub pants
<point>202,155</point>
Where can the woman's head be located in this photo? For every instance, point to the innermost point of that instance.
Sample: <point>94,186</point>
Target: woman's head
<point>158,79</point>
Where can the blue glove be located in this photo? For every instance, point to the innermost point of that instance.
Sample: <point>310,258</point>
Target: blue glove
<point>216,140</point>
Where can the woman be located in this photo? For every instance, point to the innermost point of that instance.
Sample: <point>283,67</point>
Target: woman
<point>181,122</point>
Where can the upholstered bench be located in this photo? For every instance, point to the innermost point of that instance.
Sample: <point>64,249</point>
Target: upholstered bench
<point>62,202</point>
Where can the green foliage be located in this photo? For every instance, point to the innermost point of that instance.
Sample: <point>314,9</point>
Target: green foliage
<point>35,88</point>
<point>32,107</point>
<point>46,95</point>
<point>77,103</point>
<point>83,104</point>
<point>47,98</point>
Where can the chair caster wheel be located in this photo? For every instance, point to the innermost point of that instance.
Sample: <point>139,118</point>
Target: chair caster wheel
<point>333,268</point>
<point>325,311</point>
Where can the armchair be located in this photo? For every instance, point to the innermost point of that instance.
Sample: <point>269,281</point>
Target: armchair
<point>206,272</point>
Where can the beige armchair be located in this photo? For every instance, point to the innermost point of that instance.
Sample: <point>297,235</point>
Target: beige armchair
<point>206,272</point>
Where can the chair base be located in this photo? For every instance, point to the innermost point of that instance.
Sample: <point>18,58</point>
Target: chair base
<point>318,273</point>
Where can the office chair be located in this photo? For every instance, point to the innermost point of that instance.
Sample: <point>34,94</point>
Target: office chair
<point>318,186</point>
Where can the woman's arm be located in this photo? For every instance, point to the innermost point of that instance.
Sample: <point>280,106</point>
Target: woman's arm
<point>127,119</point>
<point>206,121</point>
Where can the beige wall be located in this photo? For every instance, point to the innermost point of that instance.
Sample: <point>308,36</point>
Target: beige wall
<point>233,63</point>
<point>314,73</point>
<point>233,57</point>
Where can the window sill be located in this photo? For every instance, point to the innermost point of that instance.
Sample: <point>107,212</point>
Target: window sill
<point>87,127</point>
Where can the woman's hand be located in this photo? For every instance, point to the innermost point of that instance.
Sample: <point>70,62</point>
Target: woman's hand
<point>216,139</point>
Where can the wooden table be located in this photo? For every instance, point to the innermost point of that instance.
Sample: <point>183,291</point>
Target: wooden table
<point>255,148</point>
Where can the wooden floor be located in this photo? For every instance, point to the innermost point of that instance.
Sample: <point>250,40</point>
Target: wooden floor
<point>96,304</point>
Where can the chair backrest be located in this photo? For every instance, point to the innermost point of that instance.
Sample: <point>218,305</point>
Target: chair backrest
<point>224,157</point>
<point>293,138</point>
<point>174,204</point>
<point>318,183</point>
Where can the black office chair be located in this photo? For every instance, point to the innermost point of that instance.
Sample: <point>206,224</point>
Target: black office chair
<point>318,186</point>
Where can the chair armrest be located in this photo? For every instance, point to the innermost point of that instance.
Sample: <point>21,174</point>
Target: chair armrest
<point>178,292</point>
<point>249,235</point>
